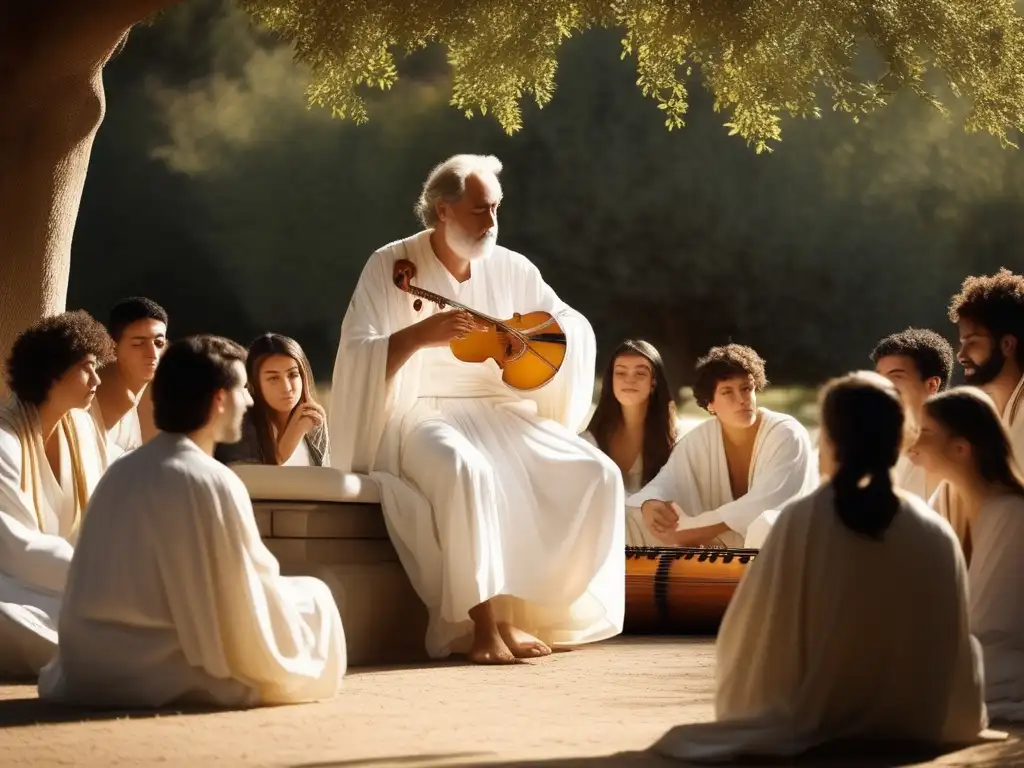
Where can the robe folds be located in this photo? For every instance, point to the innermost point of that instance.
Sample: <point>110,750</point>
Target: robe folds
<point>996,578</point>
<point>832,636</point>
<point>696,477</point>
<point>39,524</point>
<point>487,492</point>
<point>172,597</point>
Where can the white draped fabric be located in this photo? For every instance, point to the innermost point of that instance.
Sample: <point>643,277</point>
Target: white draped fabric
<point>487,492</point>
<point>173,597</point>
<point>696,476</point>
<point>833,636</point>
<point>123,436</point>
<point>39,522</point>
<point>997,603</point>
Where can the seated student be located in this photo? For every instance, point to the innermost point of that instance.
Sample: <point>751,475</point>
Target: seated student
<point>286,425</point>
<point>851,623</point>
<point>172,596</point>
<point>963,441</point>
<point>121,409</point>
<point>724,474</point>
<point>989,313</point>
<point>635,423</point>
<point>51,457</point>
<point>919,363</point>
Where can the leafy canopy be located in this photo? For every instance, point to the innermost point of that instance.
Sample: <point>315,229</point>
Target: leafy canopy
<point>760,59</point>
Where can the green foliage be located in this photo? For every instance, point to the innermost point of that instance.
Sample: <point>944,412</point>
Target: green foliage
<point>761,59</point>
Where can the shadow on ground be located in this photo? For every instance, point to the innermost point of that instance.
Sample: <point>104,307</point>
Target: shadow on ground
<point>15,713</point>
<point>991,755</point>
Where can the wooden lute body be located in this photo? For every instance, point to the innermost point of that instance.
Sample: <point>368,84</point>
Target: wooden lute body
<point>529,348</point>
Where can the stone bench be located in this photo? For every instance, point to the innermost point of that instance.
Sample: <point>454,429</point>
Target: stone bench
<point>326,523</point>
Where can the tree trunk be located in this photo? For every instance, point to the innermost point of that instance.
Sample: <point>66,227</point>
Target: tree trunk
<point>52,56</point>
<point>44,157</point>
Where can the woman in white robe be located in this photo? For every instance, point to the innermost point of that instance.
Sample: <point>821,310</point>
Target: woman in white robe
<point>733,470</point>
<point>963,441</point>
<point>51,457</point>
<point>852,622</point>
<point>635,423</point>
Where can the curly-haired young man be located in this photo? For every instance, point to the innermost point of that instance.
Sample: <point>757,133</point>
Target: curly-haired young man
<point>51,457</point>
<point>919,363</point>
<point>726,473</point>
<point>989,313</point>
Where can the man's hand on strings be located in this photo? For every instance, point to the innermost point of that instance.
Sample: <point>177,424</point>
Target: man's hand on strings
<point>511,343</point>
<point>440,329</point>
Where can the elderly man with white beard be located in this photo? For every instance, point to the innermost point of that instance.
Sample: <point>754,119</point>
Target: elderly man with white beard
<point>509,525</point>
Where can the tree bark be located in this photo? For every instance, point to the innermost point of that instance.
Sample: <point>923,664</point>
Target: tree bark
<point>52,54</point>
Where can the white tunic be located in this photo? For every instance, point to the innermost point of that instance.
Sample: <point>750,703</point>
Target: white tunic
<point>696,476</point>
<point>173,597</point>
<point>833,636</point>
<point>997,603</point>
<point>637,534</point>
<point>1013,418</point>
<point>37,534</point>
<point>123,436</point>
<point>487,492</point>
<point>909,477</point>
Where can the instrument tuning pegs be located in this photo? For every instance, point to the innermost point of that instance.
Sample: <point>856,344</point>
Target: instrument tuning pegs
<point>418,304</point>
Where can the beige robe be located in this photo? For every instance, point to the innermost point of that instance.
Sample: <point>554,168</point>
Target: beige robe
<point>833,636</point>
<point>173,597</point>
<point>997,603</point>
<point>39,523</point>
<point>909,477</point>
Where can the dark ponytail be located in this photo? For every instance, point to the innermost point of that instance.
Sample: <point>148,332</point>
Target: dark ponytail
<point>864,421</point>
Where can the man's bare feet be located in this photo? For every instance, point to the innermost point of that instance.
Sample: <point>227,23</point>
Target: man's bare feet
<point>489,648</point>
<point>523,645</point>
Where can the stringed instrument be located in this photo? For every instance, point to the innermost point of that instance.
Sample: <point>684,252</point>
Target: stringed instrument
<point>529,348</point>
<point>681,590</point>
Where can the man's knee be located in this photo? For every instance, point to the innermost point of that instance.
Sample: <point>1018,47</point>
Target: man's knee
<point>447,454</point>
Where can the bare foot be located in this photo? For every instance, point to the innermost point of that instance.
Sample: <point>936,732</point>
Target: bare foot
<point>489,648</point>
<point>523,645</point>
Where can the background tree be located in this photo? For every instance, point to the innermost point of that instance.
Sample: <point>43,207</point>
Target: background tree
<point>760,60</point>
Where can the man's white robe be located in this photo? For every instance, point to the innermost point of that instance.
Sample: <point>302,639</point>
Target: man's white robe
<point>173,597</point>
<point>487,492</point>
<point>696,477</point>
<point>832,636</point>
<point>1013,418</point>
<point>997,603</point>
<point>123,436</point>
<point>39,522</point>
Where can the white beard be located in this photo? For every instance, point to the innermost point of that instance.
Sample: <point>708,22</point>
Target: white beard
<point>467,247</point>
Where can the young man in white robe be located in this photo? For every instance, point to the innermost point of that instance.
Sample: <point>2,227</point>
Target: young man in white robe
<point>989,314</point>
<point>727,478</point>
<point>509,525</point>
<point>122,408</point>
<point>851,624</point>
<point>919,363</point>
<point>51,457</point>
<point>172,597</point>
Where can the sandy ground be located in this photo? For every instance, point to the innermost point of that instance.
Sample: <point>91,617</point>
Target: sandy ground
<point>600,706</point>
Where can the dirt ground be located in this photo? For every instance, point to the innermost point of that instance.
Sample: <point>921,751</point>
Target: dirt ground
<point>599,706</point>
